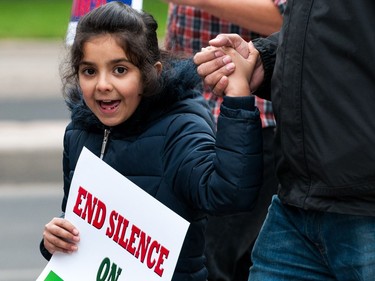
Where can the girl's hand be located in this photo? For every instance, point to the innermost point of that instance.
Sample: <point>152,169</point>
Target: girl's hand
<point>239,80</point>
<point>215,66</point>
<point>60,236</point>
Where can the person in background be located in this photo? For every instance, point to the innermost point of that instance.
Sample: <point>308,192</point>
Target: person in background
<point>82,7</point>
<point>191,24</point>
<point>141,111</point>
<point>319,72</point>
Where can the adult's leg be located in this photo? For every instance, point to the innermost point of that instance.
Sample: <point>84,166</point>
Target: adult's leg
<point>287,249</point>
<point>349,244</point>
<point>229,239</point>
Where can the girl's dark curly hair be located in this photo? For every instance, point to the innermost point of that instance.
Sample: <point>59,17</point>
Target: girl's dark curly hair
<point>133,30</point>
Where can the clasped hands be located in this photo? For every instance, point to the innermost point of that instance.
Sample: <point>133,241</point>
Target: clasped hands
<point>230,66</point>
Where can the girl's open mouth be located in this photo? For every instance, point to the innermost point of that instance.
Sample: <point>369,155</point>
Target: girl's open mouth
<point>109,106</point>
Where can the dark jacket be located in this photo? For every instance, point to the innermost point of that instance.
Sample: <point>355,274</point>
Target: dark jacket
<point>323,94</point>
<point>168,149</point>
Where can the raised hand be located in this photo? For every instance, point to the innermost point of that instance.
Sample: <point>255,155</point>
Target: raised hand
<point>215,65</point>
<point>239,80</point>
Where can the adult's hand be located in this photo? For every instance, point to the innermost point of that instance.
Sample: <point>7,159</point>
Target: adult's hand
<point>214,65</point>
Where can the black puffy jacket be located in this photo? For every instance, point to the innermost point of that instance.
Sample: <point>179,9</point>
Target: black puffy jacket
<point>168,149</point>
<point>323,94</point>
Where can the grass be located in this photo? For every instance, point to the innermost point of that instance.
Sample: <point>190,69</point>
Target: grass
<point>159,10</point>
<point>48,19</point>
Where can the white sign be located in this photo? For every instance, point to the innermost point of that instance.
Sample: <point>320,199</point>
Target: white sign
<point>126,234</point>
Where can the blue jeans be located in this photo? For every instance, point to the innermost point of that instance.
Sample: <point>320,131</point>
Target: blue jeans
<point>295,244</point>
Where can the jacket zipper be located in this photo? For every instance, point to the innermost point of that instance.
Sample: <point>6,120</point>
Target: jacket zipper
<point>104,143</point>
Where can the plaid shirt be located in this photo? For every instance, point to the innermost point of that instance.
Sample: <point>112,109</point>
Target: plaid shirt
<point>190,29</point>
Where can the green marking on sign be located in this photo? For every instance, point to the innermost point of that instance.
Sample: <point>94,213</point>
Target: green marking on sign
<point>52,276</point>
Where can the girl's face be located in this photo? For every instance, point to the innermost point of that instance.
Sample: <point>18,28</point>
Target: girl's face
<point>110,83</point>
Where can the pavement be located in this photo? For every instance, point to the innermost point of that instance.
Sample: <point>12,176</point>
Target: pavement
<point>30,67</point>
<point>33,115</point>
<point>33,118</point>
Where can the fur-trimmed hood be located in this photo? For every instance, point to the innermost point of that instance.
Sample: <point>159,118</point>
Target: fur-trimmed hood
<point>180,82</point>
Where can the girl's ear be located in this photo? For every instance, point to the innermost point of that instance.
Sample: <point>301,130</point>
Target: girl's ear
<point>159,67</point>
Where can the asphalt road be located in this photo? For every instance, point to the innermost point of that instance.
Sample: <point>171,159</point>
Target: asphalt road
<point>32,122</point>
<point>24,210</point>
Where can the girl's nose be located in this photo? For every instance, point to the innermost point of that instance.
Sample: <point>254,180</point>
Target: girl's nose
<point>104,84</point>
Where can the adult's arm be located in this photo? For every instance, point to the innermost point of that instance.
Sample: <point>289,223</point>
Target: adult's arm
<point>267,50</point>
<point>260,16</point>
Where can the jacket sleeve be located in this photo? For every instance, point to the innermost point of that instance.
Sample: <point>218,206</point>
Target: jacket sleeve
<point>47,255</point>
<point>221,177</point>
<point>267,49</point>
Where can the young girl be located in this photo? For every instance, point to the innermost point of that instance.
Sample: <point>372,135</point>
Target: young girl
<point>140,111</point>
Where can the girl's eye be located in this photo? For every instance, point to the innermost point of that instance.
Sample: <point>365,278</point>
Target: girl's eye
<point>120,70</point>
<point>88,71</point>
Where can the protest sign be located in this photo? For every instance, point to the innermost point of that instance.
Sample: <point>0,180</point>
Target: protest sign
<point>126,234</point>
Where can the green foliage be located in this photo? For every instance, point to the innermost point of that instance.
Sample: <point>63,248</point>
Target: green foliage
<point>48,19</point>
<point>159,10</point>
<point>34,19</point>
